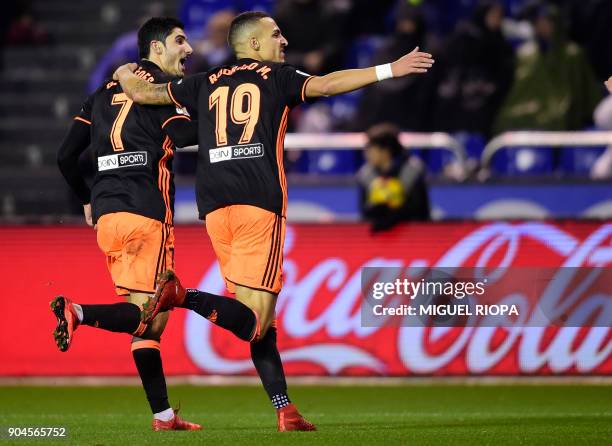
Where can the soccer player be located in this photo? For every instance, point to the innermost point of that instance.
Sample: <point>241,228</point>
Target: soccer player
<point>241,187</point>
<point>131,204</point>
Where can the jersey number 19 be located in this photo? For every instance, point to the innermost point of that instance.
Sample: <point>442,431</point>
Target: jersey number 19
<point>241,114</point>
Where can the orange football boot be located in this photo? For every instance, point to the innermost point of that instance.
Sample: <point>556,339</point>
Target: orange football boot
<point>289,419</point>
<point>175,424</point>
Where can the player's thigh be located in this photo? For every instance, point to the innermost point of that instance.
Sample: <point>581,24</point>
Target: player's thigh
<point>110,243</point>
<point>157,326</point>
<point>147,250</point>
<point>257,248</point>
<point>261,302</point>
<point>218,229</point>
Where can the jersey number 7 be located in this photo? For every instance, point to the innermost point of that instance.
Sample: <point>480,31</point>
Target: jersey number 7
<point>115,136</point>
<point>241,115</point>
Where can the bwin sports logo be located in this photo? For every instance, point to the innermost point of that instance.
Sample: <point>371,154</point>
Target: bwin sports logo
<point>118,161</point>
<point>236,152</point>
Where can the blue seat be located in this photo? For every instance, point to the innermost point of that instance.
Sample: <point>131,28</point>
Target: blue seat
<point>472,142</point>
<point>361,51</point>
<point>332,162</point>
<point>196,13</point>
<point>579,160</point>
<point>519,161</point>
<point>256,5</point>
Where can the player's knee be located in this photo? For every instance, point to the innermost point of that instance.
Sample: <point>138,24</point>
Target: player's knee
<point>262,326</point>
<point>157,325</point>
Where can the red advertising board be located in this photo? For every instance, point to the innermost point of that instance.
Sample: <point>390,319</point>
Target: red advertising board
<point>320,330</point>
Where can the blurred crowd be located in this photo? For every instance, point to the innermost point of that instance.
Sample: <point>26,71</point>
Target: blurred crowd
<point>539,66</point>
<point>500,64</point>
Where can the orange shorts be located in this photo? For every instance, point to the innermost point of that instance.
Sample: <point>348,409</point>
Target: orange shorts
<point>137,249</point>
<point>248,242</point>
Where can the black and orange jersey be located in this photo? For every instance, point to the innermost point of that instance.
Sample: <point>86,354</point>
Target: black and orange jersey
<point>242,112</point>
<point>134,148</point>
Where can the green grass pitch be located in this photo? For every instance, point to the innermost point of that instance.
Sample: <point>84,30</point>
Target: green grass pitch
<point>436,414</point>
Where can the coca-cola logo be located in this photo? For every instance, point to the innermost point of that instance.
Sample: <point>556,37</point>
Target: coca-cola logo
<point>424,350</point>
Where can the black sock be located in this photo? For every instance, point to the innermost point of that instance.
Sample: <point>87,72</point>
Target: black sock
<point>149,364</point>
<point>268,363</point>
<point>225,312</point>
<point>122,317</point>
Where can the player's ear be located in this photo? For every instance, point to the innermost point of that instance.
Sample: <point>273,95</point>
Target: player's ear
<point>254,43</point>
<point>157,47</point>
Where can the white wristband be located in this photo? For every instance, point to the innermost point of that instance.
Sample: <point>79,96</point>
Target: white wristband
<point>384,72</point>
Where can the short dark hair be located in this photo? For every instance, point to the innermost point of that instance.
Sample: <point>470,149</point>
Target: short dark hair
<point>385,136</point>
<point>156,28</point>
<point>240,22</point>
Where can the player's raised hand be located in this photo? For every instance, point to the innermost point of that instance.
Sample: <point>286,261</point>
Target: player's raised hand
<point>414,62</point>
<point>608,84</point>
<point>128,66</point>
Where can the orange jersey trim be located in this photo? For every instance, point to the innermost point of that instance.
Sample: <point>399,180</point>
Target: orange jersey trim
<point>164,177</point>
<point>304,87</point>
<point>172,96</point>
<point>173,118</point>
<point>78,118</point>
<point>280,143</point>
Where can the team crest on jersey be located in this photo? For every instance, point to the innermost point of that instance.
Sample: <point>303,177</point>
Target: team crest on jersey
<point>242,151</point>
<point>182,111</point>
<point>120,160</point>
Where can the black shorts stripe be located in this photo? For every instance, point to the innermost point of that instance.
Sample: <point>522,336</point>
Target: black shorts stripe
<point>161,253</point>
<point>271,253</point>
<point>276,257</point>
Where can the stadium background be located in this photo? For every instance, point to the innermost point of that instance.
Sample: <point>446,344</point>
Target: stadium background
<point>528,206</point>
<point>534,206</point>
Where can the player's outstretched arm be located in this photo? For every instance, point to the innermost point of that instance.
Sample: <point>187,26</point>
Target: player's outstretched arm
<point>139,90</point>
<point>338,82</point>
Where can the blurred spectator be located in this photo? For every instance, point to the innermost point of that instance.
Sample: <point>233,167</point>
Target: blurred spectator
<point>213,50</point>
<point>399,101</point>
<point>124,49</point>
<point>22,27</point>
<point>602,169</point>
<point>554,87</point>
<point>473,74</point>
<point>315,31</point>
<point>392,183</point>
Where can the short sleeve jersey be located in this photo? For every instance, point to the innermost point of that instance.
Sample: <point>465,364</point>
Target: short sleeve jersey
<point>242,112</point>
<point>133,153</point>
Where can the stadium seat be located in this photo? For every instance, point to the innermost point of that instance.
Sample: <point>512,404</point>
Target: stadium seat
<point>361,52</point>
<point>519,161</point>
<point>256,5</point>
<point>579,160</point>
<point>472,142</point>
<point>196,13</point>
<point>332,162</point>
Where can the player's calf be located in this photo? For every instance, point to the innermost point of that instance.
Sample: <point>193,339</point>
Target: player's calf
<point>220,310</point>
<point>120,318</point>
